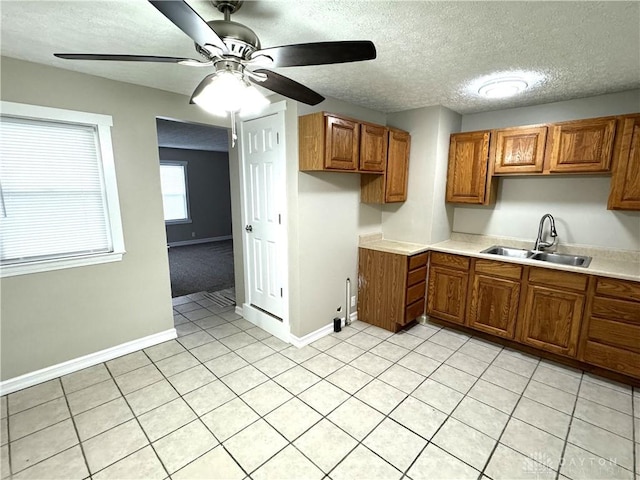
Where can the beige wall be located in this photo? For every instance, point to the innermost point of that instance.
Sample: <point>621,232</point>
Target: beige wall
<point>325,220</point>
<point>48,318</point>
<point>578,202</point>
<point>424,217</point>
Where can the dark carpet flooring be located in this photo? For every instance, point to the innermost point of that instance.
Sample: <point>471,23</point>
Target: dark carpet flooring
<point>206,267</point>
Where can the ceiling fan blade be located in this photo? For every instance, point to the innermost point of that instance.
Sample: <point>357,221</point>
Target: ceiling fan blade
<point>186,19</point>
<point>287,87</point>
<point>123,58</point>
<point>320,53</point>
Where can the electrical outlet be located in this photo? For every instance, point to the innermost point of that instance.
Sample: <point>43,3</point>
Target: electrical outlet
<point>353,300</point>
<point>193,234</point>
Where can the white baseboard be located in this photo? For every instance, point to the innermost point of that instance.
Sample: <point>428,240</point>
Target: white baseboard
<point>239,310</point>
<point>318,334</point>
<point>70,366</point>
<point>200,240</point>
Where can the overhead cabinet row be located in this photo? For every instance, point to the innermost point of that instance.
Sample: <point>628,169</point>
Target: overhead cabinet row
<point>592,146</point>
<point>333,143</point>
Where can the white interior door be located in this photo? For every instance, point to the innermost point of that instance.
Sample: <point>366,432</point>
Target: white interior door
<point>263,161</point>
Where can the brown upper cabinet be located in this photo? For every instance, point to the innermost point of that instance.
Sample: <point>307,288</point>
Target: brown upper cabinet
<point>373,147</point>
<point>625,180</point>
<point>333,143</point>
<point>467,174</point>
<point>594,145</point>
<point>582,146</point>
<point>392,186</point>
<point>328,142</point>
<point>518,150</point>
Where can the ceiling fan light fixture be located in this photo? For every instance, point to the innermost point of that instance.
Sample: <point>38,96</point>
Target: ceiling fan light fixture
<point>227,91</point>
<point>503,88</point>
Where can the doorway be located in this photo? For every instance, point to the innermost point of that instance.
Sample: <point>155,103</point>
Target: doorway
<point>194,168</point>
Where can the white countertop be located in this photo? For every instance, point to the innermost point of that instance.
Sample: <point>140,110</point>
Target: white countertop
<point>608,263</point>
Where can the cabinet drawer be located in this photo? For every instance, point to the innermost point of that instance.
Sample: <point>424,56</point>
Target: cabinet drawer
<point>418,260</point>
<point>615,334</point>
<point>417,276</point>
<point>613,358</point>
<point>572,281</point>
<point>616,310</point>
<point>414,311</point>
<point>416,292</point>
<point>499,269</point>
<point>618,288</point>
<point>453,261</point>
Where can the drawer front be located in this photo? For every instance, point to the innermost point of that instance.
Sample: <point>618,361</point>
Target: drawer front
<point>615,334</point>
<point>452,261</point>
<point>417,276</point>
<point>572,281</point>
<point>613,358</point>
<point>618,288</point>
<point>414,310</point>
<point>418,260</point>
<point>416,292</point>
<point>616,310</point>
<point>499,269</point>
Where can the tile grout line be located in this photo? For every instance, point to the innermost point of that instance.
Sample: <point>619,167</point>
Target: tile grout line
<point>449,415</point>
<point>566,440</point>
<point>510,416</point>
<point>75,427</point>
<point>137,421</point>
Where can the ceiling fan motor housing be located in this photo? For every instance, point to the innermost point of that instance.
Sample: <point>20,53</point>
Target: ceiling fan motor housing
<point>239,39</point>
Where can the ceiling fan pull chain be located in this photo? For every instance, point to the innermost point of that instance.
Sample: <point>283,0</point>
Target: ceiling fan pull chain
<point>234,137</point>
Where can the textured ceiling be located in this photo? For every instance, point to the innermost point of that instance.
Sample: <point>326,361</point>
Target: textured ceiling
<point>428,52</point>
<point>191,137</point>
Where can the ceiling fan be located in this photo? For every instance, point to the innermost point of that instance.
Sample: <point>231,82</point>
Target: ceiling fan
<point>234,51</point>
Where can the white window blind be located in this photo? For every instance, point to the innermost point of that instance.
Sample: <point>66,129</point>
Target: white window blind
<point>54,202</point>
<point>173,180</point>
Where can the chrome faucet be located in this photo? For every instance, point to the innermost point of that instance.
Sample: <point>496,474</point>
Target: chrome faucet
<point>540,244</point>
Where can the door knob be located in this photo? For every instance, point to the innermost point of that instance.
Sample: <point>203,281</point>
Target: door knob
<point>249,228</point>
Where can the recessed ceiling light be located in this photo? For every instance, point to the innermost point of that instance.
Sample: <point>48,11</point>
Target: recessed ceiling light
<point>502,87</point>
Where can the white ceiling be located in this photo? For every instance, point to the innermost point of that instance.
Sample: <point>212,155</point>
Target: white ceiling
<point>428,52</point>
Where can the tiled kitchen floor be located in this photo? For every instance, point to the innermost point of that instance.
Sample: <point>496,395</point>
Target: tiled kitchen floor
<point>227,400</point>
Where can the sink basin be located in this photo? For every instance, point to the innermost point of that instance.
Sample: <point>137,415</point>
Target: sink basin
<point>563,259</point>
<point>560,258</point>
<point>508,252</point>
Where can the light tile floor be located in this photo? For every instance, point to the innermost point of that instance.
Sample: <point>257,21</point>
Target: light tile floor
<point>226,400</point>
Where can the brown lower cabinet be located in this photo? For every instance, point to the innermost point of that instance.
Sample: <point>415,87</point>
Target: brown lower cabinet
<point>391,288</point>
<point>494,295</point>
<point>595,320</point>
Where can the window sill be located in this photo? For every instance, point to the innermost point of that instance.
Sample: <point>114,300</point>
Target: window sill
<point>177,222</point>
<point>58,264</point>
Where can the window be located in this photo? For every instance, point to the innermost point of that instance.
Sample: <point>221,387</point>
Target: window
<point>58,196</point>
<point>173,181</point>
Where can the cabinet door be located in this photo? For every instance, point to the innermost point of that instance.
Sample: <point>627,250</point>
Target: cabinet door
<point>551,319</point>
<point>342,144</point>
<point>518,150</point>
<point>397,166</point>
<point>493,307</point>
<point>373,148</point>
<point>625,181</point>
<point>467,173</point>
<point>446,293</point>
<point>581,146</point>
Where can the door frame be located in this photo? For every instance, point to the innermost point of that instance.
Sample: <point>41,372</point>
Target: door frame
<point>281,330</point>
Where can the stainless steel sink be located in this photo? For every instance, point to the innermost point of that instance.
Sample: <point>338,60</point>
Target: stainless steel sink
<point>559,258</point>
<point>508,252</point>
<point>563,259</point>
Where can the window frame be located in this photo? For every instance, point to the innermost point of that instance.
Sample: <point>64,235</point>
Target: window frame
<point>102,125</point>
<point>184,165</point>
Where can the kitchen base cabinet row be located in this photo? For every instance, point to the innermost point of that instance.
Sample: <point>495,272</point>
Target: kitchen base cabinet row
<point>572,316</point>
<point>595,320</point>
